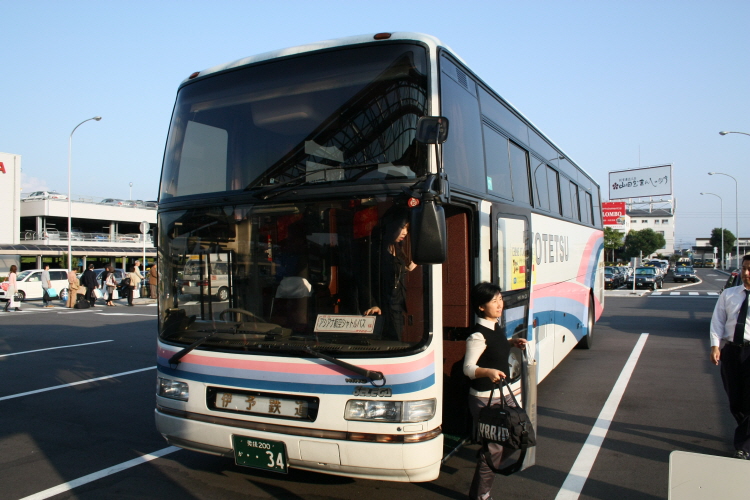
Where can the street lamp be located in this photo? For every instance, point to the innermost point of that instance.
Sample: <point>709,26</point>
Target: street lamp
<point>730,132</point>
<point>721,206</point>
<point>131,191</point>
<point>725,132</point>
<point>70,194</point>
<point>736,211</point>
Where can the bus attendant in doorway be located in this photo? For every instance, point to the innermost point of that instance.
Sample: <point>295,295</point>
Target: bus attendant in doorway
<point>486,363</point>
<point>394,265</point>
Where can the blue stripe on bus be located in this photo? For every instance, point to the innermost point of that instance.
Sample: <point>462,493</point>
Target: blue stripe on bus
<point>295,387</point>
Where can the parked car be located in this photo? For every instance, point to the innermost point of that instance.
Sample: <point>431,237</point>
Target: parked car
<point>646,277</point>
<point>709,263</point>
<point>613,277</point>
<point>684,273</point>
<point>46,195</point>
<point>697,262</point>
<point>112,201</point>
<point>29,283</point>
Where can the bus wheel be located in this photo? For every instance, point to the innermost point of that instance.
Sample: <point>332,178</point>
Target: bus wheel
<point>223,294</point>
<point>587,341</point>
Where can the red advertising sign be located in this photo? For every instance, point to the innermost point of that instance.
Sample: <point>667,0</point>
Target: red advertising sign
<point>611,211</point>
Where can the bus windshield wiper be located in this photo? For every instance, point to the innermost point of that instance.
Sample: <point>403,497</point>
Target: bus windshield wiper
<point>369,374</point>
<point>271,190</point>
<point>175,359</point>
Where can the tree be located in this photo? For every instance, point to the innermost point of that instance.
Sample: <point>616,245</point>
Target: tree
<point>612,240</point>
<point>729,239</point>
<point>646,241</point>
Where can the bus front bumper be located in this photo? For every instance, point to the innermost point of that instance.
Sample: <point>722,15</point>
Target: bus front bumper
<point>395,461</point>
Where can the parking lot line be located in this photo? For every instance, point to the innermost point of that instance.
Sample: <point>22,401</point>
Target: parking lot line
<point>62,488</point>
<point>64,386</point>
<point>579,473</point>
<point>52,348</point>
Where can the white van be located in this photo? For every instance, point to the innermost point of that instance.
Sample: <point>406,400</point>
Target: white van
<point>29,283</point>
<point>218,276</point>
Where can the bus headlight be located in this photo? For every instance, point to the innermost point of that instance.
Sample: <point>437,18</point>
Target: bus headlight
<point>390,411</point>
<point>172,389</point>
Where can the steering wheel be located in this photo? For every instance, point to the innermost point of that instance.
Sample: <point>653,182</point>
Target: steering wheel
<point>243,312</point>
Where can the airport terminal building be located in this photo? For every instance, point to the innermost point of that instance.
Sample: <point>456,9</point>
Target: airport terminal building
<point>35,231</point>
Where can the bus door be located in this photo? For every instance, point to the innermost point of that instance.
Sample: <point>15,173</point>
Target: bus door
<point>512,271</point>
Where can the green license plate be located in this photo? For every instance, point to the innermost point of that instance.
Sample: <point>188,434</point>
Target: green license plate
<point>260,453</point>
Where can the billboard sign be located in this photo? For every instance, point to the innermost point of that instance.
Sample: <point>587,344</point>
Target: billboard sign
<point>640,182</point>
<point>613,213</point>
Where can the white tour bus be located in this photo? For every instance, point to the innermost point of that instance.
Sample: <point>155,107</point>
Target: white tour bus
<point>295,166</point>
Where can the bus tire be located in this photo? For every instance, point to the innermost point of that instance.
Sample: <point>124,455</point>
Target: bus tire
<point>588,341</point>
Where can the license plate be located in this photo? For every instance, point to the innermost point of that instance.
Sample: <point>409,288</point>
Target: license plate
<point>260,453</point>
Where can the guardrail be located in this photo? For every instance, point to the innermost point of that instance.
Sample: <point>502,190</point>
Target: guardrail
<point>54,235</point>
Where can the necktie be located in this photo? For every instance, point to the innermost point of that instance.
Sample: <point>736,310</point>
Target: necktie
<point>739,329</point>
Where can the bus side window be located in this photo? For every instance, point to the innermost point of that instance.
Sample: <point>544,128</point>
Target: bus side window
<point>567,211</point>
<point>463,151</point>
<point>541,196</point>
<point>519,165</point>
<point>553,188</point>
<point>574,206</point>
<point>498,164</point>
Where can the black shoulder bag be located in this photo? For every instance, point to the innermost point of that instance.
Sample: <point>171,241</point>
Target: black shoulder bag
<point>508,426</point>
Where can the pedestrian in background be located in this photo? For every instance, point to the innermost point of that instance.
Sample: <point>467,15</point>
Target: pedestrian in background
<point>73,287</point>
<point>109,283</point>
<point>11,304</point>
<point>88,279</point>
<point>730,344</point>
<point>46,285</point>
<point>153,280</point>
<point>134,282</point>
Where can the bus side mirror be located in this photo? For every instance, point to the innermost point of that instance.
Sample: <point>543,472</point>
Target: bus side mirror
<point>428,233</point>
<point>432,129</point>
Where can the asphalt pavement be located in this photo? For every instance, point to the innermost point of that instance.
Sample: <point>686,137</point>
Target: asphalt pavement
<point>77,402</point>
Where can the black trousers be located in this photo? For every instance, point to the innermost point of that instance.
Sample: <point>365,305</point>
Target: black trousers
<point>130,295</point>
<point>45,296</point>
<point>735,374</point>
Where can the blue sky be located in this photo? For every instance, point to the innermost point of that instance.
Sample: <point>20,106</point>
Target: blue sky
<point>617,85</point>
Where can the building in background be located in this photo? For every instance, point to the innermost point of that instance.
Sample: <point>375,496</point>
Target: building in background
<point>35,230</point>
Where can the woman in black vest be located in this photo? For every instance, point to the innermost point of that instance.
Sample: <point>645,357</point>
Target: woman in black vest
<point>486,363</point>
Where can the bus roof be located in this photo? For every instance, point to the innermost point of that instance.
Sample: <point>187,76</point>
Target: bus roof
<point>429,40</point>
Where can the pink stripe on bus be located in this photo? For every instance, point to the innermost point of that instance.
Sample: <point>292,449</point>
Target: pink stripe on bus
<point>312,368</point>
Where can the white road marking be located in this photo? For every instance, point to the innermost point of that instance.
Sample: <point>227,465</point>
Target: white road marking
<point>674,293</point>
<point>52,348</point>
<point>62,488</point>
<point>579,473</point>
<point>656,293</point>
<point>712,293</point>
<point>64,386</point>
<point>692,293</point>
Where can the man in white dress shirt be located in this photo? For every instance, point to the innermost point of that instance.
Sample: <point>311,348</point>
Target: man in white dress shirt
<point>730,344</point>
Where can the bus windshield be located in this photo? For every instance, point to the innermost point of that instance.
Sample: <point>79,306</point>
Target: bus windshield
<point>335,116</point>
<point>279,278</point>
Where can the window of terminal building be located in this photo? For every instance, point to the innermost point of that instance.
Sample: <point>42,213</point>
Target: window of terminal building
<point>644,222</point>
<point>665,221</point>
